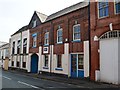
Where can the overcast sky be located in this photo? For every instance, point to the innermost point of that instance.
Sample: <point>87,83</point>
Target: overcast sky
<point>15,14</point>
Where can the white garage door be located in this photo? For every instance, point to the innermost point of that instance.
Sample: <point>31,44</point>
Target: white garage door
<point>109,58</point>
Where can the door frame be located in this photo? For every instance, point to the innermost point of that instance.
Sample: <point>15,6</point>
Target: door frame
<point>77,70</point>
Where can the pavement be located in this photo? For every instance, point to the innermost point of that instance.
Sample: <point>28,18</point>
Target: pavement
<point>73,81</point>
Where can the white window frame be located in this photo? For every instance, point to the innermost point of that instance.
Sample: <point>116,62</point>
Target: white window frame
<point>34,40</point>
<point>115,7</point>
<point>18,44</point>
<point>34,23</point>
<point>46,39</point>
<point>25,43</point>
<point>73,33</point>
<point>60,36</point>
<point>99,12</point>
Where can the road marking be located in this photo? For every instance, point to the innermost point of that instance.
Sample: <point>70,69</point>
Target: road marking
<point>30,85</point>
<point>7,77</point>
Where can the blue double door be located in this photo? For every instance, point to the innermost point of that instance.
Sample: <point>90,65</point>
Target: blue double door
<point>77,65</point>
<point>34,63</point>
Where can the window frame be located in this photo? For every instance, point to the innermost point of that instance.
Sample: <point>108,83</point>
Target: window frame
<point>59,36</point>
<point>25,45</point>
<point>59,61</point>
<point>82,61</point>
<point>115,7</point>
<point>46,39</point>
<point>33,40</point>
<point>34,24</point>
<point>46,62</point>
<point>77,33</point>
<point>98,9</point>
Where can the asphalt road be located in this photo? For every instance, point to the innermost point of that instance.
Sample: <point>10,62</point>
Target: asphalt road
<point>16,81</point>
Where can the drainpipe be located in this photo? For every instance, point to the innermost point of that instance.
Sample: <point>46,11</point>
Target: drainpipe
<point>51,42</point>
<point>20,48</point>
<point>89,38</point>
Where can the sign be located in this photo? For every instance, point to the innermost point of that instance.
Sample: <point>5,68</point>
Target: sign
<point>45,49</point>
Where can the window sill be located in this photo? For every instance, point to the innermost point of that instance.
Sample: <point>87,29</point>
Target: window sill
<point>59,42</point>
<point>34,47</point>
<point>76,41</point>
<point>46,45</point>
<point>45,67</point>
<point>103,17</point>
<point>60,69</point>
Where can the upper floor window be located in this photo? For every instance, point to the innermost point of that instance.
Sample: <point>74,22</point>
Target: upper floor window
<point>24,45</point>
<point>46,38</point>
<point>18,47</point>
<point>13,48</point>
<point>76,32</point>
<point>34,23</point>
<point>117,6</point>
<point>59,36</point>
<point>34,39</point>
<point>103,9</point>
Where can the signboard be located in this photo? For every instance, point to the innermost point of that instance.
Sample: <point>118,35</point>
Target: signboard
<point>45,49</point>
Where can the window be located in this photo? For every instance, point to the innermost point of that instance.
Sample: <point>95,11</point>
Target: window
<point>76,32</point>
<point>18,64</point>
<point>46,61</point>
<point>24,64</point>
<point>34,23</point>
<point>103,9</point>
<point>24,45</point>
<point>12,63</point>
<point>59,36</point>
<point>13,48</point>
<point>18,47</point>
<point>46,38</point>
<point>80,61</point>
<point>34,39</point>
<point>59,62</point>
<point>117,6</point>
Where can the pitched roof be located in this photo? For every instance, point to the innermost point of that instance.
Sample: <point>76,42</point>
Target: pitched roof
<point>24,28</point>
<point>41,16</point>
<point>67,10</point>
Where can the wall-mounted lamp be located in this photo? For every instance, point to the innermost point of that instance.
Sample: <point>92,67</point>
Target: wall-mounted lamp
<point>95,38</point>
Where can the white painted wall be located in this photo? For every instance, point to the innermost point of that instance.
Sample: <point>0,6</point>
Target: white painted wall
<point>86,58</point>
<point>16,37</point>
<point>109,61</point>
<point>119,60</point>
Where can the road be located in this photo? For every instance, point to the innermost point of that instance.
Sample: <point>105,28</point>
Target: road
<point>14,80</point>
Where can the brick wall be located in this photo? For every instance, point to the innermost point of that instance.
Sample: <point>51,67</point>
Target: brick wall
<point>99,27</point>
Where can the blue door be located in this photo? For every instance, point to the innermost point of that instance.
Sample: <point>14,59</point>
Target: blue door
<point>73,65</point>
<point>77,67</point>
<point>34,63</point>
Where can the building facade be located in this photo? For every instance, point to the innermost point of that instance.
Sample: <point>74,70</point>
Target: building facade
<point>105,41</point>
<point>60,44</point>
<point>4,53</point>
<point>19,50</point>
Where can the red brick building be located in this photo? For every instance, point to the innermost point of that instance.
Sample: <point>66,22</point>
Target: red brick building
<point>105,33</point>
<point>61,43</point>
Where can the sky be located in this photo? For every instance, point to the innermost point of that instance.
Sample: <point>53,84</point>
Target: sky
<point>15,14</point>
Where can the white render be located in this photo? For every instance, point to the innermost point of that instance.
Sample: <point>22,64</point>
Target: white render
<point>4,53</point>
<point>86,58</point>
<point>110,60</point>
<point>17,57</point>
